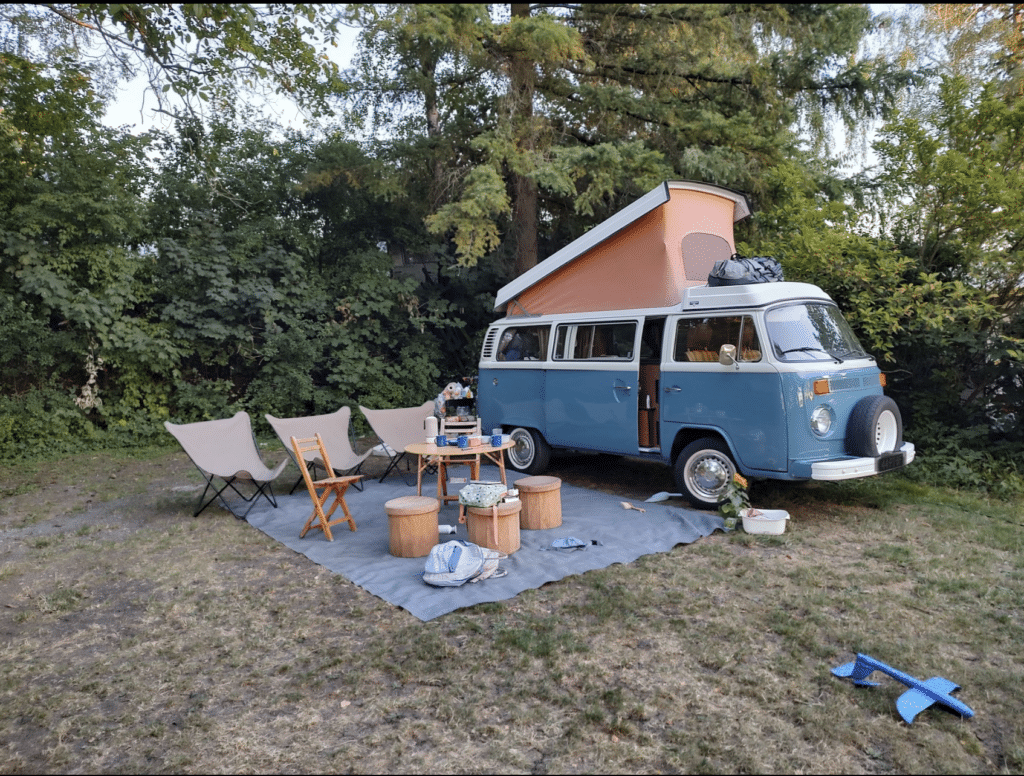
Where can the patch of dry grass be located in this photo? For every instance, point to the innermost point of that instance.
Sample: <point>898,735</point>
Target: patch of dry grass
<point>154,642</point>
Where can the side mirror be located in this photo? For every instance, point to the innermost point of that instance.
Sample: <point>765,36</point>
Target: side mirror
<point>727,355</point>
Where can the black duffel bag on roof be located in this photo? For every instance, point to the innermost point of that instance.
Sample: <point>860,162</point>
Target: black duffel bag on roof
<point>739,271</point>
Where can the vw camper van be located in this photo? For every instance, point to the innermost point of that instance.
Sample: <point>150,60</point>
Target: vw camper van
<point>617,344</point>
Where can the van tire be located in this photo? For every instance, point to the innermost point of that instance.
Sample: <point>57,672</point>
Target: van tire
<point>703,471</point>
<point>531,453</point>
<point>875,427</point>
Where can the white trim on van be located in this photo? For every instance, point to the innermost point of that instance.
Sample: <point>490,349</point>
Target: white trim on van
<point>852,468</point>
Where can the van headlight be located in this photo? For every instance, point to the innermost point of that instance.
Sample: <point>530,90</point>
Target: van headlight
<point>821,420</point>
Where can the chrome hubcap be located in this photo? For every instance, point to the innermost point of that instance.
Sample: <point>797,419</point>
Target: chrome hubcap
<point>708,474</point>
<point>522,453</point>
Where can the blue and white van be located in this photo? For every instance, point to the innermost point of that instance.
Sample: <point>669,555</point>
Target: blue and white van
<point>765,379</point>
<point>620,343</point>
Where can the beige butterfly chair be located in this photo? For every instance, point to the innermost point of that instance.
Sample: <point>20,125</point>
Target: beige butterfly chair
<point>226,450</point>
<point>334,430</point>
<point>336,485</point>
<point>397,429</point>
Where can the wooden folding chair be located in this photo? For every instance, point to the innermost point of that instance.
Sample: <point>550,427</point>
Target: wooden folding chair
<point>336,485</point>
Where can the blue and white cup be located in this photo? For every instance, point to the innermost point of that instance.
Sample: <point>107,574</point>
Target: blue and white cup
<point>496,440</point>
<point>463,441</point>
<point>441,440</point>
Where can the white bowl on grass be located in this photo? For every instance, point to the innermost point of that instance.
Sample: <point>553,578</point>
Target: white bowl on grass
<point>766,521</point>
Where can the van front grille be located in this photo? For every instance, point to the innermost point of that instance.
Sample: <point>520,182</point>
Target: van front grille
<point>844,384</point>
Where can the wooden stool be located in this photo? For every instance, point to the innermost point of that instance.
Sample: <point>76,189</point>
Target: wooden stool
<point>412,525</point>
<point>495,527</point>
<point>542,502</point>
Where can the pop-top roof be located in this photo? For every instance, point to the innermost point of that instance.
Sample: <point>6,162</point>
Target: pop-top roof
<point>643,256</point>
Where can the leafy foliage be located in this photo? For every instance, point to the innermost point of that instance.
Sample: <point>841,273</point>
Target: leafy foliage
<point>195,51</point>
<point>70,217</point>
<point>285,323</point>
<point>43,422</point>
<point>736,500</point>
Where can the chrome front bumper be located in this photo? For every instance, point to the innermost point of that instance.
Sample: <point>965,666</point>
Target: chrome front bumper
<point>851,468</point>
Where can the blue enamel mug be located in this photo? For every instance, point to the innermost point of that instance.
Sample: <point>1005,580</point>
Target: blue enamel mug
<point>441,440</point>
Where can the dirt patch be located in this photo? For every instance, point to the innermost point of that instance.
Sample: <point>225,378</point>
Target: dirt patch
<point>138,638</point>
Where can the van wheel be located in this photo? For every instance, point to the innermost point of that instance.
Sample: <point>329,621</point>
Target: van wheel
<point>531,453</point>
<point>703,471</point>
<point>875,427</point>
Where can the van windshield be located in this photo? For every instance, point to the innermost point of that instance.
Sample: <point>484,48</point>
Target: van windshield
<point>812,331</point>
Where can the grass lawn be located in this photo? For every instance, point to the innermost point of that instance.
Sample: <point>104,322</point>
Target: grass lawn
<point>137,638</point>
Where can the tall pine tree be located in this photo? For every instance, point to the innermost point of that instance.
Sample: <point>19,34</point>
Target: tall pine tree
<point>537,120</point>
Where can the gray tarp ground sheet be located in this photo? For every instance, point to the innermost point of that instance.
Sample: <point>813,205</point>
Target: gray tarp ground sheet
<point>363,557</point>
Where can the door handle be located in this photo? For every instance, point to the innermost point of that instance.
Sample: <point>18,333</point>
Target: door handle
<point>672,389</point>
<point>626,388</point>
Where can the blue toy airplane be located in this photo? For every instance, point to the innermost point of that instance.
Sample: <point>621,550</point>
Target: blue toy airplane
<point>919,697</point>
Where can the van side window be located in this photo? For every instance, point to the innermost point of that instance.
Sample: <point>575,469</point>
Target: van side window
<point>700,339</point>
<point>595,341</point>
<point>524,343</point>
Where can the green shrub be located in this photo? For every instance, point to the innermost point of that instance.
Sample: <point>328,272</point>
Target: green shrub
<point>43,421</point>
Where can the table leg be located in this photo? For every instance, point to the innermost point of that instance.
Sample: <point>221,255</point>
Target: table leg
<point>499,461</point>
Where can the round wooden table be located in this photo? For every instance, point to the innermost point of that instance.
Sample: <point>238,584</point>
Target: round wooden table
<point>429,453</point>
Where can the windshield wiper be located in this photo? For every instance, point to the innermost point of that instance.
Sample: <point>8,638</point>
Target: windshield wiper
<point>808,348</point>
<point>850,353</point>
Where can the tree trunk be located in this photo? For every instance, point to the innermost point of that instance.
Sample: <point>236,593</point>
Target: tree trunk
<point>428,68</point>
<point>524,187</point>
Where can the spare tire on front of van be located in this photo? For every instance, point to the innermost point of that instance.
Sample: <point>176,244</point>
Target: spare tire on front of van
<point>875,427</point>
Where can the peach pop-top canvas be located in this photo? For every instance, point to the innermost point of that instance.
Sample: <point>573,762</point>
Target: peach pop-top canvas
<point>643,264</point>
